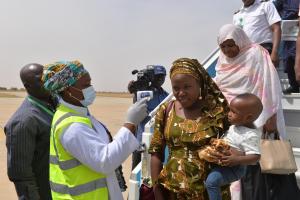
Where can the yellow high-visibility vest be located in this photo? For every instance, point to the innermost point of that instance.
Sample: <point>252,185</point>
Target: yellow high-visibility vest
<point>70,179</point>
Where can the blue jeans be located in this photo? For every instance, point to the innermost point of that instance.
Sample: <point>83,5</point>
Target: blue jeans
<point>220,176</point>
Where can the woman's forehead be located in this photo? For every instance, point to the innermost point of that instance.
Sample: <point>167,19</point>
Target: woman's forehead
<point>228,41</point>
<point>183,77</point>
<point>84,79</point>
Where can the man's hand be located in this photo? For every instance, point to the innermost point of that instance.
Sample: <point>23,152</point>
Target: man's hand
<point>275,59</point>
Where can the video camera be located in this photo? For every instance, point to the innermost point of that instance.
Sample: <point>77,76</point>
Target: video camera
<point>144,78</point>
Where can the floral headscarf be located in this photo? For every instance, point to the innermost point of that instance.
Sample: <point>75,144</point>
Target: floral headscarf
<point>60,75</point>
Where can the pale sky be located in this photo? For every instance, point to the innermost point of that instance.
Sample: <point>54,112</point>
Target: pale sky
<point>110,37</point>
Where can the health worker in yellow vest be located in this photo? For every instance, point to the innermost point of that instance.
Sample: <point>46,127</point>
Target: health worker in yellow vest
<point>83,156</point>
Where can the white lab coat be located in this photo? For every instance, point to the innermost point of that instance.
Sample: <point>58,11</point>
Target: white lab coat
<point>91,147</point>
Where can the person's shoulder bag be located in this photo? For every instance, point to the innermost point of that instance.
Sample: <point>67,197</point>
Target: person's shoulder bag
<point>276,156</point>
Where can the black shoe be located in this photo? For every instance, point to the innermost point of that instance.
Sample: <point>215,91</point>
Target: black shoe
<point>290,90</point>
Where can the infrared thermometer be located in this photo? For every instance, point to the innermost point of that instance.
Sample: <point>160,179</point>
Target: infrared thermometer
<point>144,94</point>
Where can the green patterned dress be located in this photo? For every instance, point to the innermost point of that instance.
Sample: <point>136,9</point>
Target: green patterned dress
<point>184,173</point>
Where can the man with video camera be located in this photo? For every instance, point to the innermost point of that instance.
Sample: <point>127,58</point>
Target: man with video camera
<point>151,78</point>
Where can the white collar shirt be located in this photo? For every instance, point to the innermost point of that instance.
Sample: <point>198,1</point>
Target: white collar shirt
<point>244,139</point>
<point>93,148</point>
<point>256,20</point>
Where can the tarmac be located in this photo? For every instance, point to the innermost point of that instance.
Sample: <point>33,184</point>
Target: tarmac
<point>110,111</point>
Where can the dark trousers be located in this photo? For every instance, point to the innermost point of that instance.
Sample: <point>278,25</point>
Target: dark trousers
<point>289,64</point>
<point>253,184</point>
<point>259,186</point>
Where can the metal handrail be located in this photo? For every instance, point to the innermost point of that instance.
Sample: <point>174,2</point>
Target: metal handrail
<point>210,56</point>
<point>144,166</point>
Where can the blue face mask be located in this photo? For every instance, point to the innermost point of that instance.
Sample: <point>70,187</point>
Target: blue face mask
<point>89,95</point>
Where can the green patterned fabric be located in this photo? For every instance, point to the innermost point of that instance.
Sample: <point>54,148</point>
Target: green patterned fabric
<point>60,75</point>
<point>184,173</point>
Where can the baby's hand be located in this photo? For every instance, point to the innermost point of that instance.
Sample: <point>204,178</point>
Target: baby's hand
<point>230,160</point>
<point>226,153</point>
<point>215,154</point>
<point>236,152</point>
<point>209,154</point>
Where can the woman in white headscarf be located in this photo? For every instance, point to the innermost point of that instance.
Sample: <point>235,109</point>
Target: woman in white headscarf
<point>247,67</point>
<point>242,67</point>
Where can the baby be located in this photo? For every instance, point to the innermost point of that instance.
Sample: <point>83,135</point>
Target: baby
<point>243,139</point>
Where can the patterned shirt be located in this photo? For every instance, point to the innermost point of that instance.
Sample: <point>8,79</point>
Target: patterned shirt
<point>184,172</point>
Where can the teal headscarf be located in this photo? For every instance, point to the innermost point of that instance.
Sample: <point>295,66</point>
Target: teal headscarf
<point>60,75</point>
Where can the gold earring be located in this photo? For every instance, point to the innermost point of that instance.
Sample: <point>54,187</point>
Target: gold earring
<point>200,94</point>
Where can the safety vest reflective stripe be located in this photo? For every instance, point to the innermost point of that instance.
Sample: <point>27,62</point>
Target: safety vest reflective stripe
<point>68,164</point>
<point>80,189</point>
<point>65,165</point>
<point>64,117</point>
<point>69,178</point>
